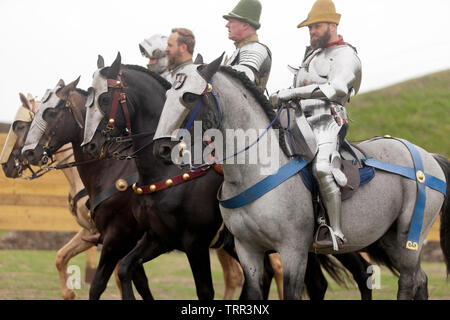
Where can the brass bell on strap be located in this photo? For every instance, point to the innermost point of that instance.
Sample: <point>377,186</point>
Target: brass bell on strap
<point>186,176</point>
<point>169,182</point>
<point>152,188</point>
<point>136,189</point>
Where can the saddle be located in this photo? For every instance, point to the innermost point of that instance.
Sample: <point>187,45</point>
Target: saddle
<point>300,141</point>
<point>352,166</point>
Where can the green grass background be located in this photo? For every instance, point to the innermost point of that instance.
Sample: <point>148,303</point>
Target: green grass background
<point>31,275</point>
<point>417,110</point>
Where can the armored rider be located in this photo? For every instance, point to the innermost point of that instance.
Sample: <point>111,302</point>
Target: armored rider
<point>329,75</point>
<point>250,56</point>
<point>179,50</point>
<point>154,48</point>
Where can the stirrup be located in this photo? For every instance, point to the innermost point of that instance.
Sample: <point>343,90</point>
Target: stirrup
<point>336,241</point>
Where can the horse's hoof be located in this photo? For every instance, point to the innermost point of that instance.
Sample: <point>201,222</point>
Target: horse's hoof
<point>69,295</point>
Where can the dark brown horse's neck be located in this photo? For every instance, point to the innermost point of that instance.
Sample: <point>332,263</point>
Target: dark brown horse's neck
<point>99,175</point>
<point>151,169</point>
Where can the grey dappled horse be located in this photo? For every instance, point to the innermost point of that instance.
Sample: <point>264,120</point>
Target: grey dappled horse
<point>282,219</point>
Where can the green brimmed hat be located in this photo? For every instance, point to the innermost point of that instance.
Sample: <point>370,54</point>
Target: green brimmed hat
<point>247,11</point>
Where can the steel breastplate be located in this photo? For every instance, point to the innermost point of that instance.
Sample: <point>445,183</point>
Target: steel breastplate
<point>314,69</point>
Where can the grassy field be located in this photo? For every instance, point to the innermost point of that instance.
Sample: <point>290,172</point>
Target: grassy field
<point>31,275</point>
<point>417,110</point>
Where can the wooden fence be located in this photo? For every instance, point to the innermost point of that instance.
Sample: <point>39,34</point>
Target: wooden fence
<point>41,204</point>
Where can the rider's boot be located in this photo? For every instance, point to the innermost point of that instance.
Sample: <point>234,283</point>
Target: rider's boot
<point>330,236</point>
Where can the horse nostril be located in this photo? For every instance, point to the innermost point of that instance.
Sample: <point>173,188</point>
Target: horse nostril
<point>29,154</point>
<point>90,147</point>
<point>165,151</point>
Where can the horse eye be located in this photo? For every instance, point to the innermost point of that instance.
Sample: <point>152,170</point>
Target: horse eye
<point>190,97</point>
<point>103,100</point>
<point>49,113</point>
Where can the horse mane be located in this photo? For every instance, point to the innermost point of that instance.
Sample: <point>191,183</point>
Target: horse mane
<point>260,98</point>
<point>166,84</point>
<point>82,92</point>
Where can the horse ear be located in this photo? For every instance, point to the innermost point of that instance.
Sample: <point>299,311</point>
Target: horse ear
<point>115,67</point>
<point>210,69</point>
<point>74,84</point>
<point>100,62</point>
<point>60,83</point>
<point>24,100</point>
<point>198,59</point>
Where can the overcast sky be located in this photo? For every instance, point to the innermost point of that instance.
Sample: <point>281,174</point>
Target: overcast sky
<point>44,41</point>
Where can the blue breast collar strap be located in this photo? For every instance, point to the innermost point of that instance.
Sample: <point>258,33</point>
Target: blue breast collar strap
<point>264,186</point>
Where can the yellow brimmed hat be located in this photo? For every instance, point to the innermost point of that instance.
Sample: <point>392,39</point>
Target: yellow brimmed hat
<point>322,11</point>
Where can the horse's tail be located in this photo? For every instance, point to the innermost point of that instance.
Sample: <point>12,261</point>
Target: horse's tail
<point>337,272</point>
<point>445,212</point>
<point>378,255</point>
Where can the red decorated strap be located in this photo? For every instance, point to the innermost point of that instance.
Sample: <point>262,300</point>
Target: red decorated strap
<point>114,107</point>
<point>161,185</point>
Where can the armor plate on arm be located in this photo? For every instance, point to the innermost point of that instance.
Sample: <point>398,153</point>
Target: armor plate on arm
<point>254,59</point>
<point>333,73</point>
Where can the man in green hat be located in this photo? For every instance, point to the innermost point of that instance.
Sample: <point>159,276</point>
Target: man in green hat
<point>251,57</point>
<point>328,76</point>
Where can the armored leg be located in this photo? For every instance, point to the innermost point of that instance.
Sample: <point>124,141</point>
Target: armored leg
<point>326,167</point>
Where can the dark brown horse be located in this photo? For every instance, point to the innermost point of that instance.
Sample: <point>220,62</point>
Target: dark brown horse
<point>185,217</point>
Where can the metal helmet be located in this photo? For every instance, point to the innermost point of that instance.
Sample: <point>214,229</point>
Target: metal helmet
<point>155,48</point>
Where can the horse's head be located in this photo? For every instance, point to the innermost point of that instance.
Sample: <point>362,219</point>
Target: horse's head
<point>11,157</point>
<point>191,98</point>
<point>108,109</point>
<point>63,121</point>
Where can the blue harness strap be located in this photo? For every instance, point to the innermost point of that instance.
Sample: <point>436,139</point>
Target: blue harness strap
<point>265,185</point>
<point>423,180</point>
<point>430,181</point>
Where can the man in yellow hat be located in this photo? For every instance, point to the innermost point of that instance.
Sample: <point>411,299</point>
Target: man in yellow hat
<point>251,57</point>
<point>329,74</point>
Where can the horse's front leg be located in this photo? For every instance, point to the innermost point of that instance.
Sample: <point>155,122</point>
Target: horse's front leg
<point>108,261</point>
<point>146,249</point>
<point>252,262</point>
<point>75,246</point>
<point>294,262</point>
<point>199,260</point>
